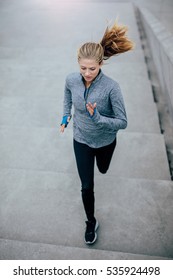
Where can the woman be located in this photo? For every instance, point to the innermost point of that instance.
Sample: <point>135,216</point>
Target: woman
<point>99,113</point>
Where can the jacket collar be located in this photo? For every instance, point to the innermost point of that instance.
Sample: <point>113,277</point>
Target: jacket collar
<point>97,78</point>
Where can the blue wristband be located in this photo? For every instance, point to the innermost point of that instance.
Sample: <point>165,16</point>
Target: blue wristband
<point>65,120</point>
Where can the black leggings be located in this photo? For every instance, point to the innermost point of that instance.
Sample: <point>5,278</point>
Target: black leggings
<point>85,158</point>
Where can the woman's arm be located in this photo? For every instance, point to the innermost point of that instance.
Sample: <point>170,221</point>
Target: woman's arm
<point>119,121</point>
<point>67,105</point>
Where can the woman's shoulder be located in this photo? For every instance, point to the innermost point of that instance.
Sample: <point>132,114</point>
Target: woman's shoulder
<point>73,77</point>
<point>109,81</point>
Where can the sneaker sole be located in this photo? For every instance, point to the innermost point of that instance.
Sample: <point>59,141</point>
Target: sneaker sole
<point>96,227</point>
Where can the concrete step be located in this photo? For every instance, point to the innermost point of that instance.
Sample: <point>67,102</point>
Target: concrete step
<point>41,213</point>
<point>135,215</point>
<point>39,79</point>
<point>37,74</point>
<point>44,112</point>
<point>140,155</point>
<point>39,102</point>
<point>137,155</point>
<point>18,250</point>
<point>46,22</point>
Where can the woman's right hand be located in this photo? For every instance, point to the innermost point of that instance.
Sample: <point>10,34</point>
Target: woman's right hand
<point>65,122</point>
<point>62,128</point>
<point>91,108</point>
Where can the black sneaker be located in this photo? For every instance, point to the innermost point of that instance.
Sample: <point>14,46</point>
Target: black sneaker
<point>90,233</point>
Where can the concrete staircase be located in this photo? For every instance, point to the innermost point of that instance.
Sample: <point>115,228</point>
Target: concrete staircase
<point>41,213</point>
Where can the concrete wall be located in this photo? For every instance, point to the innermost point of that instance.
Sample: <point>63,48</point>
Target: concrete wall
<point>161,42</point>
<point>161,9</point>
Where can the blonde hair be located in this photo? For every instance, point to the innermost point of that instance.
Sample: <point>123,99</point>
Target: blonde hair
<point>114,42</point>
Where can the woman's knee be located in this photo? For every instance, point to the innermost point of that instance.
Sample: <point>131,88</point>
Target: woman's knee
<point>87,187</point>
<point>102,170</point>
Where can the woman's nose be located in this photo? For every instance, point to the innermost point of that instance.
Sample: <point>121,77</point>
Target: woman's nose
<point>87,72</point>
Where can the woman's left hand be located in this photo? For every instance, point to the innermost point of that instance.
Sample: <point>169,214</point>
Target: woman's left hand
<point>90,107</point>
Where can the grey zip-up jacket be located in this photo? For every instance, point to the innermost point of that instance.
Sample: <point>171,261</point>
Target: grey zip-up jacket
<point>110,115</point>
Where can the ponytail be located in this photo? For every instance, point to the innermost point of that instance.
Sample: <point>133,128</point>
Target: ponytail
<point>115,41</point>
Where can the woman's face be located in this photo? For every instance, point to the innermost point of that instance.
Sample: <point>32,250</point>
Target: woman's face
<point>89,69</point>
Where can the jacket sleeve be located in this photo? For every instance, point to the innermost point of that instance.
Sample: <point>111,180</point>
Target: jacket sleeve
<point>67,104</point>
<point>119,121</point>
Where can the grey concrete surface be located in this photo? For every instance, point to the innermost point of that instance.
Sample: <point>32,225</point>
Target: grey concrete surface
<point>162,9</point>
<point>40,201</point>
<point>42,112</point>
<point>135,216</point>
<point>160,42</point>
<point>36,96</point>
<point>18,250</point>
<point>157,46</point>
<point>137,155</point>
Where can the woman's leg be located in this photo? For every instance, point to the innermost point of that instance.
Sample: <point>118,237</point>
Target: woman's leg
<point>104,156</point>
<point>85,164</point>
